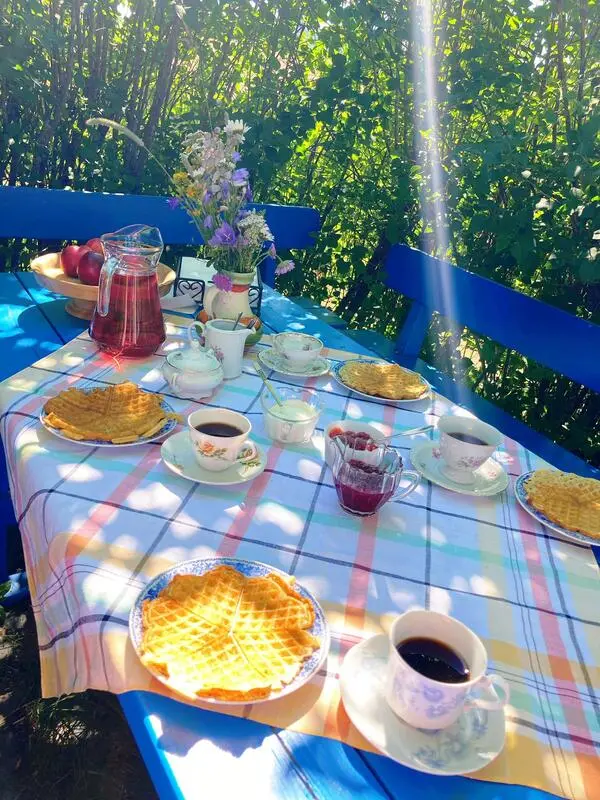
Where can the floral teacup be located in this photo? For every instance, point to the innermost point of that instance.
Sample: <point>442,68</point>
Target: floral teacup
<point>431,704</point>
<point>298,349</point>
<point>465,444</point>
<point>220,438</point>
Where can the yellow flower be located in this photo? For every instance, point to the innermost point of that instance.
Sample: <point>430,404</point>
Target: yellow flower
<point>180,176</point>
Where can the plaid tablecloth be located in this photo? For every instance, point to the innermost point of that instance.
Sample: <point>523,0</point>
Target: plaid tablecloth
<point>97,524</point>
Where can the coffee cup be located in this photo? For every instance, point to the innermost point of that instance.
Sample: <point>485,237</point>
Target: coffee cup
<point>427,702</point>
<point>465,444</point>
<point>220,438</point>
<point>298,349</point>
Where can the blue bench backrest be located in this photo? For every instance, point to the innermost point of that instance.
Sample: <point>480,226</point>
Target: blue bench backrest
<point>30,213</point>
<point>559,340</point>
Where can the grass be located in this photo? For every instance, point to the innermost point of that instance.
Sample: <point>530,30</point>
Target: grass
<point>71,747</point>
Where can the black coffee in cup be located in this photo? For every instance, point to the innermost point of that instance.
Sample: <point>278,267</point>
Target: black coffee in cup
<point>467,438</point>
<point>223,429</point>
<point>434,660</point>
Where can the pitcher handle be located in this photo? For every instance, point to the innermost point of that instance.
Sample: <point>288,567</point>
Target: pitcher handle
<point>106,276</point>
<point>414,479</point>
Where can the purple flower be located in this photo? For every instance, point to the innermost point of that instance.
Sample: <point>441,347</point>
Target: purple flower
<point>271,251</point>
<point>209,222</point>
<point>224,236</point>
<point>173,203</point>
<point>225,189</point>
<point>235,157</point>
<point>284,266</point>
<point>207,198</point>
<point>223,282</point>
<point>239,176</point>
<point>248,196</point>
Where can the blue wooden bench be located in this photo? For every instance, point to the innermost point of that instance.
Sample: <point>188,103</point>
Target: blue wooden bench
<point>565,343</point>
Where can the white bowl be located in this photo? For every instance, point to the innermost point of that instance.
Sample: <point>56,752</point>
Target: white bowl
<point>290,430</point>
<point>355,425</point>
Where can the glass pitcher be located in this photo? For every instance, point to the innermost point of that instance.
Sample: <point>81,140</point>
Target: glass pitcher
<point>367,474</point>
<point>128,319</point>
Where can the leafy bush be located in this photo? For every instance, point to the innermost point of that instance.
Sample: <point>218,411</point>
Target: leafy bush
<point>334,92</point>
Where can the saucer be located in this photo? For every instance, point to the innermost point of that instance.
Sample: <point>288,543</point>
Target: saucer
<point>272,360</point>
<point>469,744</point>
<point>488,480</point>
<point>178,454</point>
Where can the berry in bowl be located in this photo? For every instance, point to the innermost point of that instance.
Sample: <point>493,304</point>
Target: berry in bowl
<point>356,434</point>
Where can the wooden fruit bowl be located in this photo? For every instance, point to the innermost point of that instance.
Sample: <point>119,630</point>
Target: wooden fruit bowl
<point>49,274</point>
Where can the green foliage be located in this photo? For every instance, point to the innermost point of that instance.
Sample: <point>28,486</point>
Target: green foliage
<point>332,91</point>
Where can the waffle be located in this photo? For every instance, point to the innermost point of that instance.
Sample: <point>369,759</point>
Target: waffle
<point>383,380</point>
<point>225,636</point>
<point>566,499</point>
<point>119,414</point>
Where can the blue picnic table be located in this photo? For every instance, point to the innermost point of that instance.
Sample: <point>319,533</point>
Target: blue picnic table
<point>260,760</point>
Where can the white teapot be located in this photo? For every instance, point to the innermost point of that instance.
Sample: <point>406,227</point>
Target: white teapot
<point>193,371</point>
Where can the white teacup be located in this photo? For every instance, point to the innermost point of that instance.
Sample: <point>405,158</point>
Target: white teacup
<point>218,452</point>
<point>298,349</point>
<point>430,704</point>
<point>462,458</point>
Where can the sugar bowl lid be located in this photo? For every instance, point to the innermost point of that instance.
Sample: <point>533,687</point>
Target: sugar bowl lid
<point>194,359</point>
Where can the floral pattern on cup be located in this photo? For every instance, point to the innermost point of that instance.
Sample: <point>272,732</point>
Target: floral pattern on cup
<point>217,453</point>
<point>426,703</point>
<point>461,458</point>
<point>208,450</point>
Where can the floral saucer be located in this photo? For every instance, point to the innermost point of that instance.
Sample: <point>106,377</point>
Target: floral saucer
<point>488,480</point>
<point>272,360</point>
<point>178,454</point>
<point>473,741</point>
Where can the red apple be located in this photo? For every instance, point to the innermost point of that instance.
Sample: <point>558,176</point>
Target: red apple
<point>90,265</point>
<point>70,256</point>
<point>95,245</point>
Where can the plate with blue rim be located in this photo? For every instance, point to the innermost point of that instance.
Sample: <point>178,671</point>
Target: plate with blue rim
<point>521,496</point>
<point>335,371</point>
<point>167,428</point>
<point>251,569</point>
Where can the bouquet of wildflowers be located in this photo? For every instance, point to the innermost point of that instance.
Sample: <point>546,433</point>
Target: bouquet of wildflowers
<point>215,191</point>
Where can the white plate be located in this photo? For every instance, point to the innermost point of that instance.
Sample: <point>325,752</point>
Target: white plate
<point>199,566</point>
<point>472,742</point>
<point>335,371</point>
<point>488,480</point>
<point>521,496</point>
<point>272,360</point>
<point>166,429</point>
<point>178,454</point>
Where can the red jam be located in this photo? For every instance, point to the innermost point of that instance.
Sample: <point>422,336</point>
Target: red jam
<point>359,440</point>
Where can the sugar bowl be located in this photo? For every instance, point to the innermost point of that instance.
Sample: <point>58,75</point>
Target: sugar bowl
<point>193,371</point>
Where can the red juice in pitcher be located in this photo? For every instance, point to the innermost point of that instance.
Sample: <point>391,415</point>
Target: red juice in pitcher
<point>128,320</point>
<point>133,326</point>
